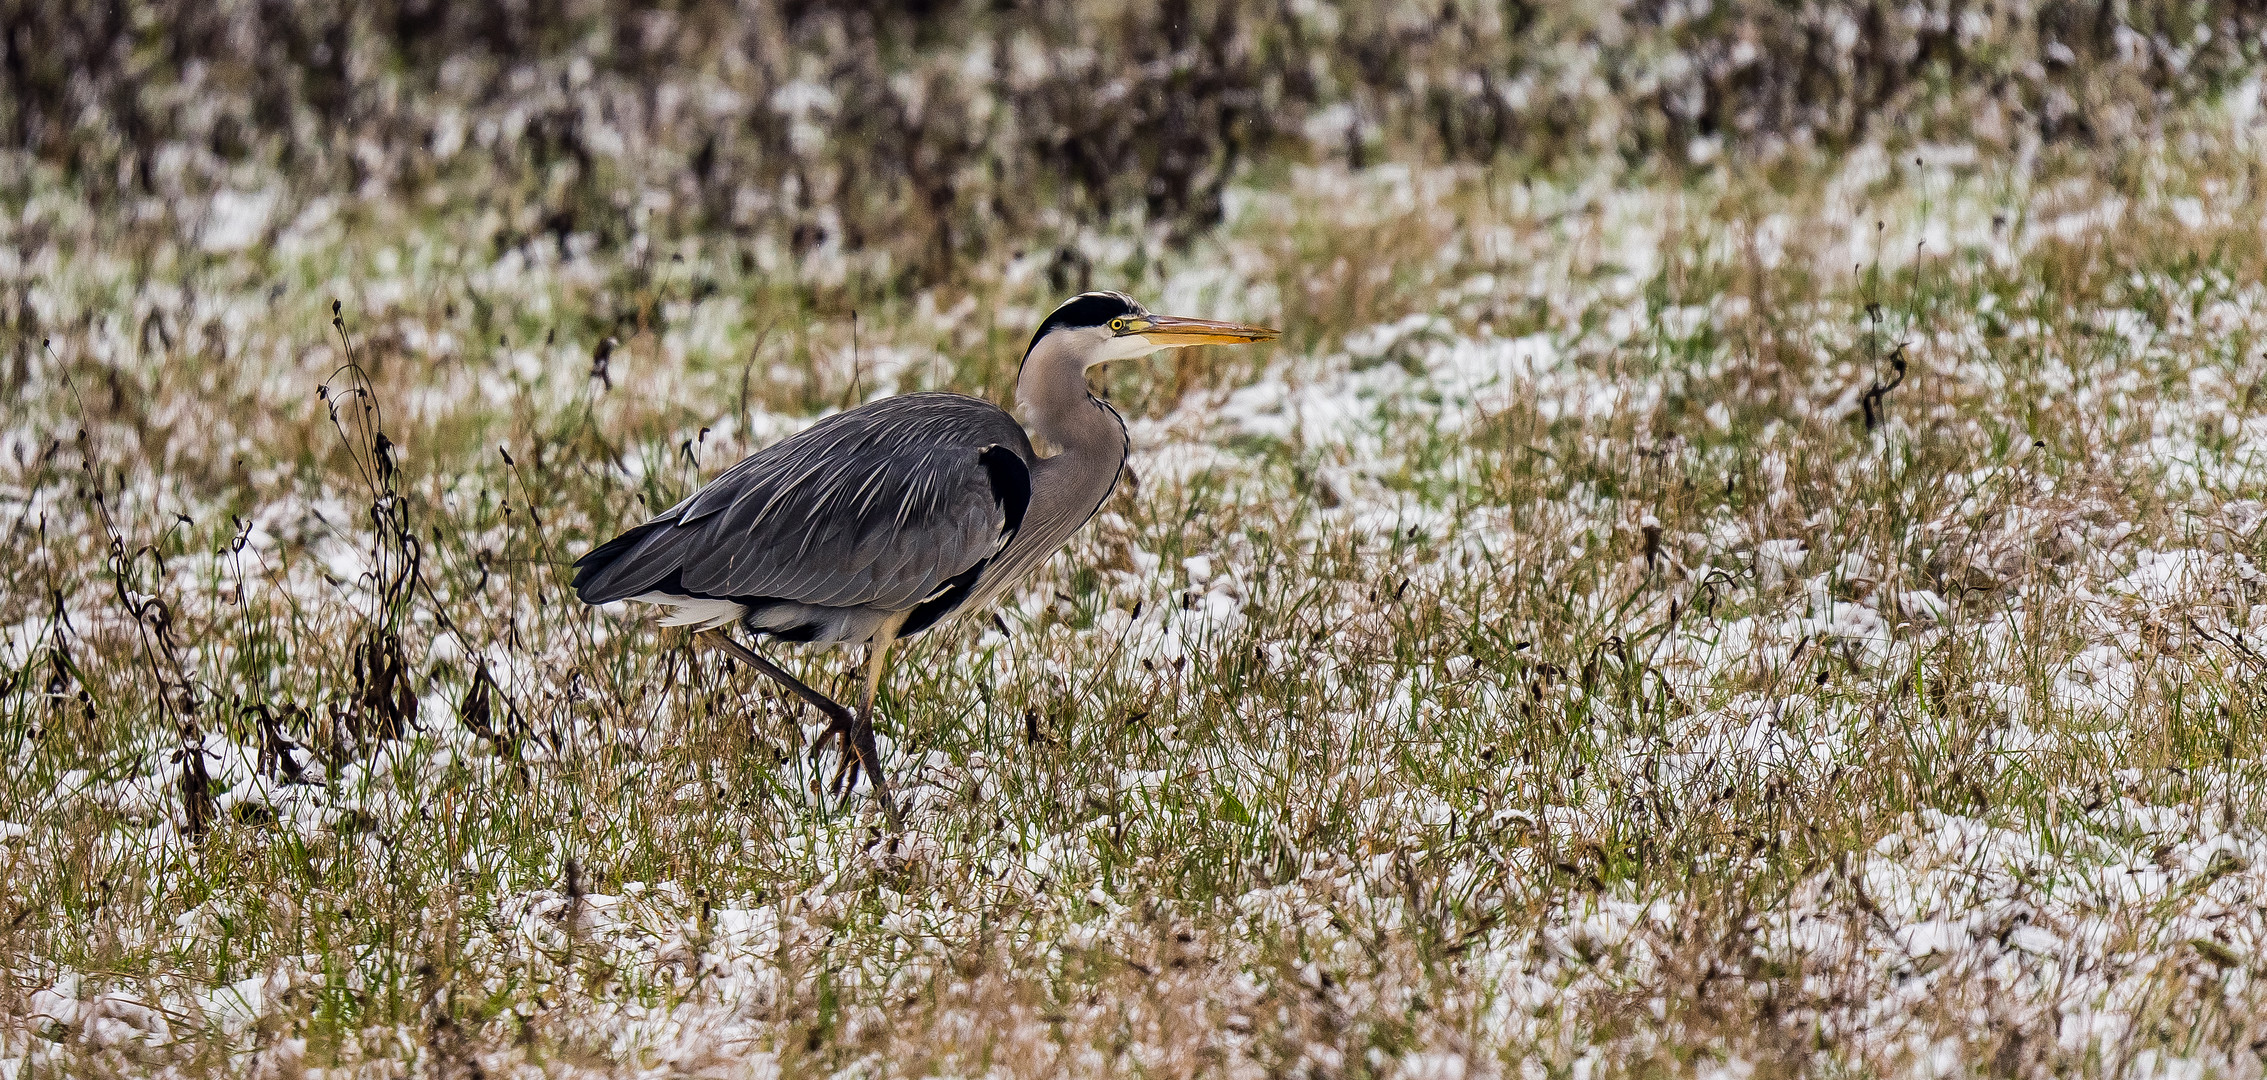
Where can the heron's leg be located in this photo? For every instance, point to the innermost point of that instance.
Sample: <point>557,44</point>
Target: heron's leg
<point>855,732</point>
<point>750,657</point>
<point>862,731</point>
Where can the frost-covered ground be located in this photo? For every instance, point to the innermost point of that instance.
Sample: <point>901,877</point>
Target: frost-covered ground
<point>1805,622</point>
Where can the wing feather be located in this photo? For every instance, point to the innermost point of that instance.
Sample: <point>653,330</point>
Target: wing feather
<point>883,505</point>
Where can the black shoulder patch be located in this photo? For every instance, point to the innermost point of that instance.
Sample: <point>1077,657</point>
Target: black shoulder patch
<point>1011,484</point>
<point>1086,309</point>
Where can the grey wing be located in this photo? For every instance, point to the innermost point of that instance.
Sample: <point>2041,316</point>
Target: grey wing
<point>884,506</point>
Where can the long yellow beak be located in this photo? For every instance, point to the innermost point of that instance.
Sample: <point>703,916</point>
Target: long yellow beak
<point>1175,330</point>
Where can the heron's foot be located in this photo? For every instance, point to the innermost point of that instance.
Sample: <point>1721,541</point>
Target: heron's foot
<point>853,738</point>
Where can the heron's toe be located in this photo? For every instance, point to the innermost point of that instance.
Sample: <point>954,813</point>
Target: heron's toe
<point>843,736</point>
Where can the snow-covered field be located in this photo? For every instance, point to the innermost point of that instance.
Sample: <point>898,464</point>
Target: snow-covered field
<point>1793,623</point>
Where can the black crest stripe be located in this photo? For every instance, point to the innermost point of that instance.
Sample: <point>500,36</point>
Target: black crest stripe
<point>1085,309</point>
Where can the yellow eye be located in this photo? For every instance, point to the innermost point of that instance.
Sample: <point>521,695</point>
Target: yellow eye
<point>1117,326</point>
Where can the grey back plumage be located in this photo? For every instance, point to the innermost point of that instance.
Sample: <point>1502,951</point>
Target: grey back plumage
<point>883,506</point>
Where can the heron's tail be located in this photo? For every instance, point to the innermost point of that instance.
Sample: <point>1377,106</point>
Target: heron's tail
<point>602,577</point>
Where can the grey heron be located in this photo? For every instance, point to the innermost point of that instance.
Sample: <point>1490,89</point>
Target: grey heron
<point>881,522</point>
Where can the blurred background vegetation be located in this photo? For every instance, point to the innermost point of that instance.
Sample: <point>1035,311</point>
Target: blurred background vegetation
<point>907,139</point>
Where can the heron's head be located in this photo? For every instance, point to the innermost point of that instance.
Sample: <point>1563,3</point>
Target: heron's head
<point>1098,327</point>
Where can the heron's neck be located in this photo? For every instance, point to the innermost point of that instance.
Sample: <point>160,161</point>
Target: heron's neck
<point>1088,443</point>
<point>1088,448</point>
<point>1052,393</point>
